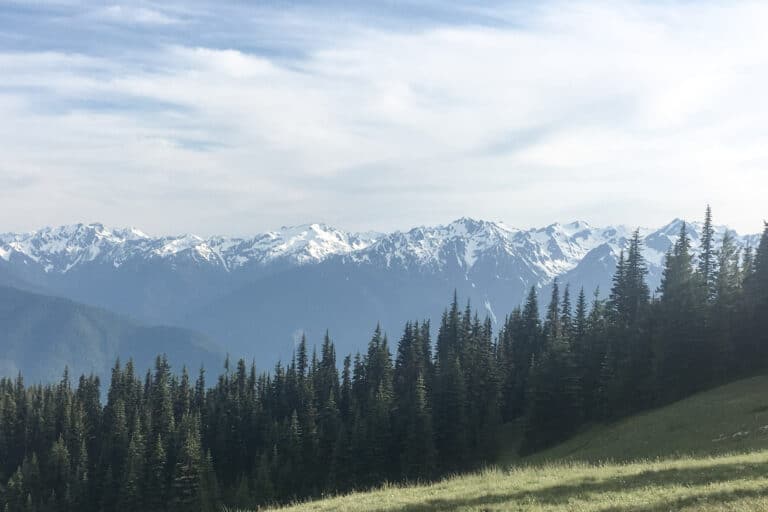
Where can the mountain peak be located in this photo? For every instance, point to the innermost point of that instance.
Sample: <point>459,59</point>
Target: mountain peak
<point>577,225</point>
<point>673,227</point>
<point>465,241</point>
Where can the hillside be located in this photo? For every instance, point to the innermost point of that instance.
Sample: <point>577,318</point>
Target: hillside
<point>728,419</point>
<point>707,452</point>
<point>41,335</point>
<point>733,483</point>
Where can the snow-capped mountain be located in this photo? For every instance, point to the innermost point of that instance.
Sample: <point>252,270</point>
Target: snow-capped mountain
<point>548,252</point>
<point>253,294</point>
<point>60,249</point>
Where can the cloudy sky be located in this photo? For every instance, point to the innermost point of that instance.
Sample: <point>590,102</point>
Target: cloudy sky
<point>217,117</point>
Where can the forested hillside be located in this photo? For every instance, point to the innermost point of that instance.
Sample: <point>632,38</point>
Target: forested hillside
<point>40,335</point>
<point>407,410</point>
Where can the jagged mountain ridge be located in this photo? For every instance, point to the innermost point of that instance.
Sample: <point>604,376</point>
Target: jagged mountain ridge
<point>62,248</point>
<point>255,295</point>
<point>549,251</point>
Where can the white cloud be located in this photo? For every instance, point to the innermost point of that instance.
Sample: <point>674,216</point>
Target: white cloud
<point>133,15</point>
<point>645,108</point>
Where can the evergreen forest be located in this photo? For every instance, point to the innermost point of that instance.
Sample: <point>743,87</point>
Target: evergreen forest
<point>433,401</point>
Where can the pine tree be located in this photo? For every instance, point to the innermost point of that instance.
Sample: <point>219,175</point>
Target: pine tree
<point>637,293</point>
<point>747,264</point>
<point>346,395</point>
<point>379,373</point>
<point>727,292</point>
<point>527,344</point>
<point>555,399</point>
<point>263,489</point>
<point>566,314</point>
<point>505,351</point>
<point>757,281</point>
<point>161,404</point>
<point>630,294</point>
<point>329,423</point>
<point>131,491</point>
<point>684,364</point>
<point>582,347</point>
<point>450,418</point>
<point>209,488</point>
<point>59,472</point>
<point>617,298</point>
<point>707,258</point>
<point>552,325</point>
<point>411,411</point>
<point>580,325</point>
<point>155,484</point>
<point>448,334</point>
<point>16,494</point>
<point>755,332</point>
<point>302,359</point>
<point>186,476</point>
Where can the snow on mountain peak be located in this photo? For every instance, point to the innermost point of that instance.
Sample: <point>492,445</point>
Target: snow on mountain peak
<point>302,244</point>
<point>62,248</point>
<point>462,244</point>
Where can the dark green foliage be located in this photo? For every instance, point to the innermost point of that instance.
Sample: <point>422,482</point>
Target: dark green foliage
<point>682,346</point>
<point>753,335</point>
<point>554,408</point>
<point>163,443</point>
<point>412,419</point>
<point>707,266</point>
<point>627,361</point>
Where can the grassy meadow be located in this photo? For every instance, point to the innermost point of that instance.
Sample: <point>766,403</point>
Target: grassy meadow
<point>736,482</point>
<point>708,452</point>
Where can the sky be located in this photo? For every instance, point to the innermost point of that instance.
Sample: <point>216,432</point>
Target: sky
<point>224,117</point>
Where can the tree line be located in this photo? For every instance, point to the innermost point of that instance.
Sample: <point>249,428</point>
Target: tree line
<point>312,427</point>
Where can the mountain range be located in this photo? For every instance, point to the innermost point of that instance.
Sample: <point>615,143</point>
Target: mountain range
<point>41,335</point>
<point>256,295</point>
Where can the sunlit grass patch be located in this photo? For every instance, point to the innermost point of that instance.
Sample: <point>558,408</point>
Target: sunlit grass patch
<point>730,482</point>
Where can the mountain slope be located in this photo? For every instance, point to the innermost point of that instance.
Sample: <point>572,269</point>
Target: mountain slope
<point>41,335</point>
<point>265,318</point>
<point>255,294</point>
<point>728,419</point>
<point>733,483</point>
<point>697,437</point>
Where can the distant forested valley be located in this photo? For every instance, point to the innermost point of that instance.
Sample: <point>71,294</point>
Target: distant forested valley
<point>434,400</point>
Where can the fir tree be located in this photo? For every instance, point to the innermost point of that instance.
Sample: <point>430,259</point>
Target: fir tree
<point>186,477</point>
<point>707,258</point>
<point>682,364</point>
<point>552,325</point>
<point>131,491</point>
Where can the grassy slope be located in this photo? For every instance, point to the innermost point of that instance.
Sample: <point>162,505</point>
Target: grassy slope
<point>727,483</point>
<point>694,435</point>
<point>727,419</point>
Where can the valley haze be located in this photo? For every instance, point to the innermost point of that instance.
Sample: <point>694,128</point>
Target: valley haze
<point>256,296</point>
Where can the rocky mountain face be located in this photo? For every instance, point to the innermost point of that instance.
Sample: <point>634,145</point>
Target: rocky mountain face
<point>256,295</point>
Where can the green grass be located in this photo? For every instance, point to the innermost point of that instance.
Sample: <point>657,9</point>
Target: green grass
<point>708,452</point>
<point>728,419</point>
<point>738,482</point>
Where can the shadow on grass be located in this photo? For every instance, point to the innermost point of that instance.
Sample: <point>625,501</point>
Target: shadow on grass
<point>588,488</point>
<point>714,498</point>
